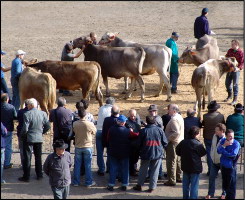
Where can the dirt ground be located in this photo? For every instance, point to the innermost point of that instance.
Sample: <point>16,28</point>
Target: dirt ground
<point>42,29</point>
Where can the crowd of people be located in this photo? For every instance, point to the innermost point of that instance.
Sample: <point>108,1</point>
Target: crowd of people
<point>125,139</point>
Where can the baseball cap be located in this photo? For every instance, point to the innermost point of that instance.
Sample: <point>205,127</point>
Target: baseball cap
<point>204,10</point>
<point>3,52</point>
<point>175,34</point>
<point>122,118</point>
<point>20,52</point>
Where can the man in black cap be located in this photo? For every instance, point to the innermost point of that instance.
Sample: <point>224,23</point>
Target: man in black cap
<point>201,25</point>
<point>57,167</point>
<point>153,112</point>
<point>174,69</point>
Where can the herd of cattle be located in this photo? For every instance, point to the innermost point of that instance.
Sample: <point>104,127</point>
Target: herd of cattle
<point>117,58</point>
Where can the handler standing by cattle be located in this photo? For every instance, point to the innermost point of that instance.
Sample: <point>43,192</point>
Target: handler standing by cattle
<point>69,55</point>
<point>174,69</point>
<point>16,71</point>
<point>236,52</point>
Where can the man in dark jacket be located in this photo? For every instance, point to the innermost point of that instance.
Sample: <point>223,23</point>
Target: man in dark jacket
<point>133,123</point>
<point>190,121</point>
<point>152,142</point>
<point>35,125</point>
<point>191,150</point>
<point>119,150</point>
<point>62,119</point>
<point>201,25</point>
<point>8,116</point>
<point>57,167</point>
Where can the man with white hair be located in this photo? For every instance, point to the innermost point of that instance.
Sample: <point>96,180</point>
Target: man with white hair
<point>35,124</point>
<point>16,70</point>
<point>175,134</point>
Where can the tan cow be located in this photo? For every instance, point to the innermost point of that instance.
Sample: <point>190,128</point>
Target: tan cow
<point>38,85</point>
<point>205,78</point>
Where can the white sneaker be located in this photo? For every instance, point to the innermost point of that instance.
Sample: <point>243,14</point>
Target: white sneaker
<point>75,185</point>
<point>93,184</point>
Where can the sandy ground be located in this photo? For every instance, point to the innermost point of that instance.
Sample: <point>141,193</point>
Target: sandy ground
<point>42,28</point>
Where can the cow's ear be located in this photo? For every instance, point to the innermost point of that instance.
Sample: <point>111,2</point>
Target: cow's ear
<point>112,37</point>
<point>192,53</point>
<point>116,33</point>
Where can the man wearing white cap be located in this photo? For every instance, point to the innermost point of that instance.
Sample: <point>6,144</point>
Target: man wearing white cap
<point>16,71</point>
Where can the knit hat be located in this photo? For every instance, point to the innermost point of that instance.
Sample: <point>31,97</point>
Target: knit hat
<point>204,10</point>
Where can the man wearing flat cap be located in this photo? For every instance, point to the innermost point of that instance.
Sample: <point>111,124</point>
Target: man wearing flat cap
<point>174,69</point>
<point>210,120</point>
<point>153,112</point>
<point>201,25</point>
<point>236,123</point>
<point>57,167</point>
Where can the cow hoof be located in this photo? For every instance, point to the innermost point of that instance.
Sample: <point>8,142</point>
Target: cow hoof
<point>135,89</point>
<point>156,95</point>
<point>168,100</point>
<point>141,100</point>
<point>107,95</point>
<point>124,92</point>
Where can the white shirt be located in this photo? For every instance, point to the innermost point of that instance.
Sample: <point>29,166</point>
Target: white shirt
<point>104,111</point>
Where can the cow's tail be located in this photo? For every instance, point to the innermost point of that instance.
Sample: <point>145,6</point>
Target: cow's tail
<point>96,89</point>
<point>142,58</point>
<point>51,92</point>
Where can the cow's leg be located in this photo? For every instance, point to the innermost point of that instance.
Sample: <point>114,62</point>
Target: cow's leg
<point>99,96</point>
<point>142,87</point>
<point>128,95</point>
<point>126,85</point>
<point>105,81</point>
<point>44,107</point>
<point>85,90</point>
<point>164,80</point>
<point>199,93</point>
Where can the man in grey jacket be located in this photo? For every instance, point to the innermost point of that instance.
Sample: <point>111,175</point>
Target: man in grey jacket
<point>35,124</point>
<point>57,167</point>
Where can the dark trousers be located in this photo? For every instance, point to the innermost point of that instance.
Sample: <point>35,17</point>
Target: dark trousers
<point>229,181</point>
<point>4,88</point>
<point>133,159</point>
<point>27,153</point>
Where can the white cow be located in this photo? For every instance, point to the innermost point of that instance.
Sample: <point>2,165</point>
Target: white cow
<point>158,58</point>
<point>205,78</point>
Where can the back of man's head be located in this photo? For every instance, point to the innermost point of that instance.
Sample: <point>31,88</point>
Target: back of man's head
<point>61,101</point>
<point>32,102</point>
<point>81,112</point>
<point>4,97</point>
<point>115,110</point>
<point>150,119</point>
<point>110,100</point>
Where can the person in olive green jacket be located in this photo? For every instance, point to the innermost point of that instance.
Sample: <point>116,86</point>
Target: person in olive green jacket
<point>174,69</point>
<point>236,123</point>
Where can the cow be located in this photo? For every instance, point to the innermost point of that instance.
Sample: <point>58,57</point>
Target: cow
<point>71,75</point>
<point>158,59</point>
<point>206,48</point>
<point>205,78</point>
<point>38,85</point>
<point>118,62</point>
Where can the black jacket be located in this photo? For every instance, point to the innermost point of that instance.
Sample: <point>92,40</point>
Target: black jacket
<point>191,151</point>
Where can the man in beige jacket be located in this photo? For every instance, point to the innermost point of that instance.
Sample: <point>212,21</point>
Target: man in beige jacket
<point>175,134</point>
<point>84,135</point>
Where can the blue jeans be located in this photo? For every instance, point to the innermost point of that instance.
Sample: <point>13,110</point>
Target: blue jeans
<point>61,192</point>
<point>86,154</point>
<point>154,165</point>
<point>16,96</point>
<point>212,176</point>
<point>232,77</point>
<point>8,148</point>
<point>173,81</point>
<point>100,151</point>
<point>229,181</point>
<point>208,144</point>
<point>116,165</point>
<point>190,185</point>
<point>4,87</point>
<point>2,161</point>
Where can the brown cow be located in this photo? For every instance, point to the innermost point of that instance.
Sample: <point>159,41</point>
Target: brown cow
<point>38,85</point>
<point>206,48</point>
<point>205,78</point>
<point>71,75</point>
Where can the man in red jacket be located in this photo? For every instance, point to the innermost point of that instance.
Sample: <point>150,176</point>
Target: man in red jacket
<point>236,52</point>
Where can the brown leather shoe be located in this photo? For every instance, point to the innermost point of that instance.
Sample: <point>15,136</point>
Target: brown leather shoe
<point>137,187</point>
<point>150,190</point>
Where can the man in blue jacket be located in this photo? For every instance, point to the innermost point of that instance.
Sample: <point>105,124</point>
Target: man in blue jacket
<point>16,71</point>
<point>152,142</point>
<point>201,25</point>
<point>229,149</point>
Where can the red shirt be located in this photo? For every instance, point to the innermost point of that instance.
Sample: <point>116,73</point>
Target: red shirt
<point>238,54</point>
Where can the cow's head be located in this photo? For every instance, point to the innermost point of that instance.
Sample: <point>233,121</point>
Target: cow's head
<point>79,42</point>
<point>187,56</point>
<point>107,38</point>
<point>29,62</point>
<point>230,64</point>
